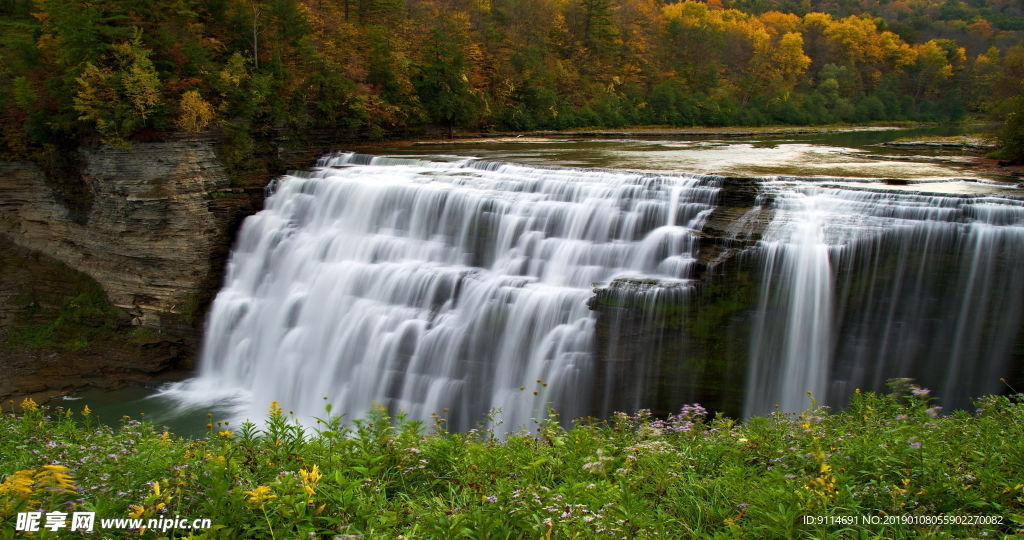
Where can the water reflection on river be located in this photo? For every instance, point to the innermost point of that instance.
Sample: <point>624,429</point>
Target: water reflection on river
<point>817,154</point>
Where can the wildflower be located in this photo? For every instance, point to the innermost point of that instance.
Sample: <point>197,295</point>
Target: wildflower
<point>275,410</point>
<point>933,411</point>
<point>29,405</point>
<point>226,434</point>
<point>919,392</point>
<point>310,479</point>
<point>86,411</point>
<point>137,511</point>
<point>260,495</point>
<point>55,477</point>
<point>18,483</point>
<point>597,466</point>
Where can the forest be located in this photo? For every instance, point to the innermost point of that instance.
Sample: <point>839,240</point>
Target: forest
<point>118,71</point>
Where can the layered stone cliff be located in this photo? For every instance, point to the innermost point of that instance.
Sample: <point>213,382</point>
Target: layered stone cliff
<point>155,223</point>
<point>58,333</point>
<point>152,225</point>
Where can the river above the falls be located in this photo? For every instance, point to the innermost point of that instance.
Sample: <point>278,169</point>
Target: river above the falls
<point>841,154</point>
<point>423,334</point>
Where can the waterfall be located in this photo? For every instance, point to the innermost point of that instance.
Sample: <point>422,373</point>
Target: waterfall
<point>432,286</point>
<point>862,286</point>
<point>791,345</point>
<point>455,286</point>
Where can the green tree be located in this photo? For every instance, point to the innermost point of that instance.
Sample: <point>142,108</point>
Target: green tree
<point>599,32</point>
<point>1011,136</point>
<point>443,80</point>
<point>118,99</point>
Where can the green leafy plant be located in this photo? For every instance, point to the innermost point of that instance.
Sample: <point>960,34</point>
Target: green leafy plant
<point>886,459</point>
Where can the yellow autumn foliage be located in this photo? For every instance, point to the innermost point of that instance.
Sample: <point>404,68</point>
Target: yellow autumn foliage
<point>194,113</point>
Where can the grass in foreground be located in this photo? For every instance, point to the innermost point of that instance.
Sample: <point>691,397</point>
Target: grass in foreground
<point>888,458</point>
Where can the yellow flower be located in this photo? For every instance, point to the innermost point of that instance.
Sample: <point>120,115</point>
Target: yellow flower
<point>56,477</point>
<point>312,476</point>
<point>29,405</point>
<point>86,411</point>
<point>137,512</point>
<point>310,479</point>
<point>226,434</point>
<point>260,495</point>
<point>19,483</point>
<point>275,409</point>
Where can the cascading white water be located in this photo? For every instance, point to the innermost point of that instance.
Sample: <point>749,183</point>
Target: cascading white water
<point>862,286</point>
<point>796,262</point>
<point>428,285</point>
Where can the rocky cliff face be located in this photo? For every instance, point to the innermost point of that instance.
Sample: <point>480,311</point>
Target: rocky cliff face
<point>58,333</point>
<point>659,345</point>
<point>152,225</point>
<point>156,219</point>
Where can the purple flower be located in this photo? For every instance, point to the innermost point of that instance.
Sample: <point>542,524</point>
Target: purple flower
<point>741,506</point>
<point>919,392</point>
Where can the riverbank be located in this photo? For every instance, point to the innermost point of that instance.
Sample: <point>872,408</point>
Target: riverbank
<point>643,131</point>
<point>890,466</point>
